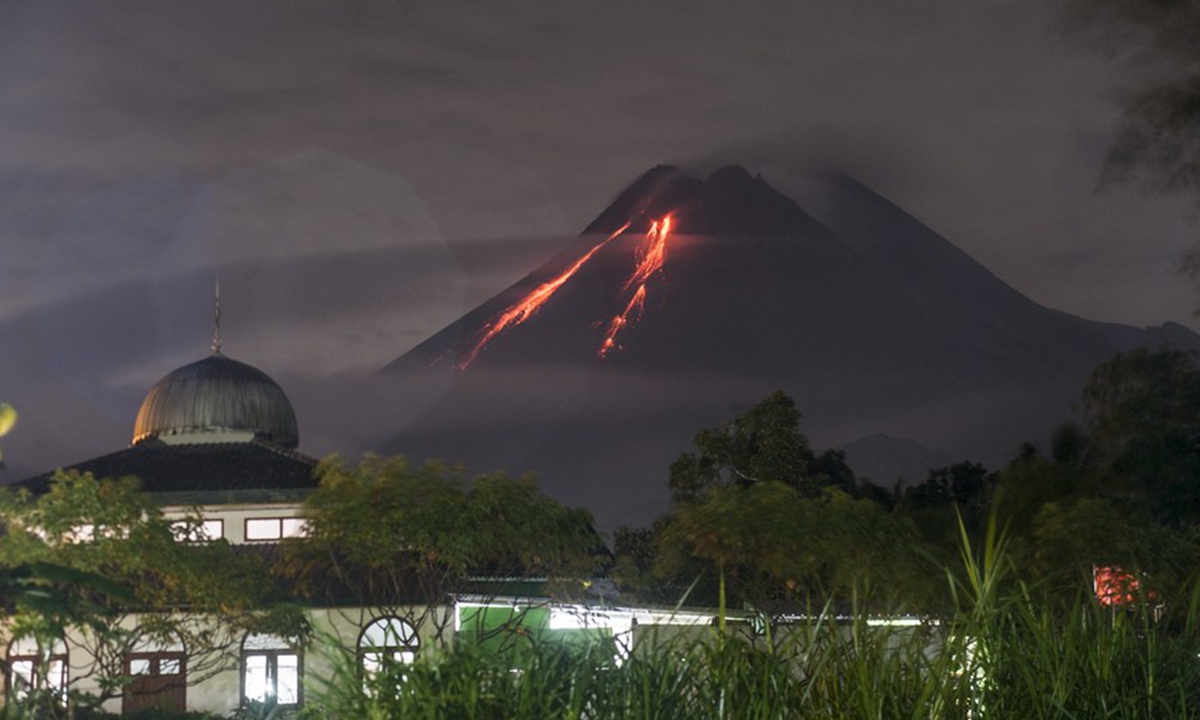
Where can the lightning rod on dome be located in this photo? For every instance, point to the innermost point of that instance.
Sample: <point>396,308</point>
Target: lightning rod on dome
<point>216,342</point>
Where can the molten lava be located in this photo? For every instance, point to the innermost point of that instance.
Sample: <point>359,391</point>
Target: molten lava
<point>523,309</point>
<point>636,304</point>
<point>650,261</point>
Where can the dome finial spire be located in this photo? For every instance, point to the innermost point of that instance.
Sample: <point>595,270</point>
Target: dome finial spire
<point>216,342</point>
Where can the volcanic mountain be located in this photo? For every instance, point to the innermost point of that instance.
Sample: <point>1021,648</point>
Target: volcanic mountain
<point>690,298</point>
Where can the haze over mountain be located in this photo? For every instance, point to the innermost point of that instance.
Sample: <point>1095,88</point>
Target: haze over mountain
<point>874,323</point>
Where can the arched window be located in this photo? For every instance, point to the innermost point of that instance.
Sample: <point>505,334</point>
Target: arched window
<point>271,670</point>
<point>388,639</point>
<point>32,669</point>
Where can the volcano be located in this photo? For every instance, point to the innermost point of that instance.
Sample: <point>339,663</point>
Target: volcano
<point>689,298</point>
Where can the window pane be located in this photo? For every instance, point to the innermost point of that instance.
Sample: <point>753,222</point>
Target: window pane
<point>57,678</point>
<point>139,666</point>
<point>168,666</point>
<point>371,661</point>
<point>389,632</point>
<point>288,679</point>
<point>22,677</point>
<point>213,529</point>
<point>263,529</point>
<point>295,527</point>
<point>255,678</point>
<point>204,531</point>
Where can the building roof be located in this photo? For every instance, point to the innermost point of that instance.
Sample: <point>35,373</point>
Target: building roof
<point>217,395</point>
<point>245,471</point>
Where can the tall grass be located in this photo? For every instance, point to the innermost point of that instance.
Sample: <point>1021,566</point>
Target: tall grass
<point>1004,652</point>
<point>1024,663</point>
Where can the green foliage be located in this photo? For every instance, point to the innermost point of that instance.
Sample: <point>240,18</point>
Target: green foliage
<point>764,443</point>
<point>1068,540</point>
<point>110,528</point>
<point>783,550</point>
<point>759,518</point>
<point>948,495</point>
<point>1144,429</point>
<point>999,653</point>
<point>388,534</point>
<point>97,557</point>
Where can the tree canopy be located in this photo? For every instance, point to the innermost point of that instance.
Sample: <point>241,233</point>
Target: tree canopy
<point>388,533</point>
<point>759,518</point>
<point>1158,138</point>
<point>98,560</point>
<point>1143,431</point>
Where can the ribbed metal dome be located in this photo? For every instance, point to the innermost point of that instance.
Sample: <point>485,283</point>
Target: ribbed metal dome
<point>216,395</point>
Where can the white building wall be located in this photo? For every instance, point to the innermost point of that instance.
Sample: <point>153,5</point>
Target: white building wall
<point>336,633</point>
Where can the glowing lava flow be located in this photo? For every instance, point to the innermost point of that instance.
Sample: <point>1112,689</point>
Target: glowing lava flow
<point>531,303</point>
<point>650,262</point>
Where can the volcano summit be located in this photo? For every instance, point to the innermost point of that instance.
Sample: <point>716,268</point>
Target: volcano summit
<point>688,298</point>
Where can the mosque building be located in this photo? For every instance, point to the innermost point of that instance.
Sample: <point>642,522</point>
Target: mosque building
<point>220,436</point>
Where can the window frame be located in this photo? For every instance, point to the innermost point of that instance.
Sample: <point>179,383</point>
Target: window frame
<point>58,652</point>
<point>410,646</point>
<point>178,527</point>
<point>280,534</point>
<point>280,648</point>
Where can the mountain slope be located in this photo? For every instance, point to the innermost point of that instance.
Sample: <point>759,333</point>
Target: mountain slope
<point>874,323</point>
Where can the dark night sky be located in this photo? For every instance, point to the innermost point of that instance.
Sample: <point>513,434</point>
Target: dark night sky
<point>146,143</point>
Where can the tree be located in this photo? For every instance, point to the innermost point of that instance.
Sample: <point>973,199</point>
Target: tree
<point>948,495</point>
<point>1143,425</point>
<point>763,443</point>
<point>98,561</point>
<point>1070,539</point>
<point>1032,479</point>
<point>402,539</point>
<point>1159,134</point>
<point>1120,493</point>
<point>758,518</point>
<point>775,548</point>
<point>1158,137</point>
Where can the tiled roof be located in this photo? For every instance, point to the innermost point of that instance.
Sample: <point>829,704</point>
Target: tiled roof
<point>198,468</point>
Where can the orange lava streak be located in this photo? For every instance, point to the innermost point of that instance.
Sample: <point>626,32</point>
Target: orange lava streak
<point>653,257</point>
<point>531,303</point>
<point>650,262</point>
<point>636,303</point>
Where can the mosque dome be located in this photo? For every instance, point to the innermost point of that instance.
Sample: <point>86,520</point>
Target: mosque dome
<point>217,400</point>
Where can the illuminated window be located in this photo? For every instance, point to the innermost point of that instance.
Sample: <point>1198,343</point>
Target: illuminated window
<point>88,532</point>
<point>196,532</point>
<point>30,669</point>
<point>271,671</point>
<point>387,640</point>
<point>258,529</point>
